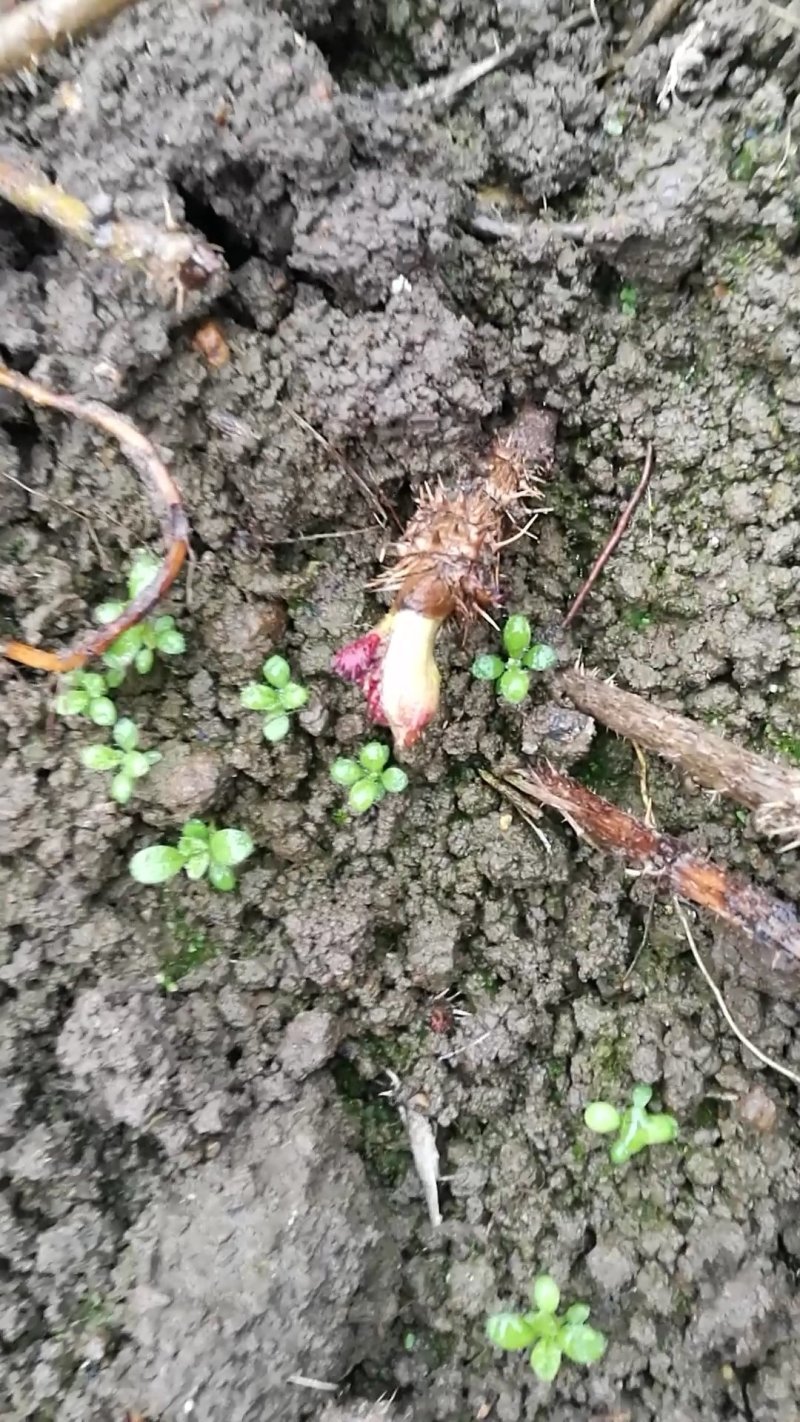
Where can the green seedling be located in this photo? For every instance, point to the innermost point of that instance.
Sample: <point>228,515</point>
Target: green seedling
<point>368,778</point>
<point>277,696</point>
<point>635,1127</point>
<point>82,693</point>
<point>628,299</point>
<point>201,850</point>
<point>512,674</point>
<point>550,1335</point>
<point>138,646</point>
<point>127,762</point>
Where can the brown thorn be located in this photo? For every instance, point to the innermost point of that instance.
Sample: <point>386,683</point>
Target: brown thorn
<point>142,454</point>
<point>619,529</point>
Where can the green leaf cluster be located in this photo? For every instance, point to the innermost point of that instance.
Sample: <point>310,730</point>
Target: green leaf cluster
<point>201,851</point>
<point>635,1128</point>
<point>512,672</point>
<point>128,763</point>
<point>82,693</point>
<point>551,1336</point>
<point>138,646</point>
<point>368,778</point>
<point>277,696</point>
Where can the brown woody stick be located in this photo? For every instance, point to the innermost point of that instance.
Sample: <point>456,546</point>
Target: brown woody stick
<point>31,28</point>
<point>768,925</point>
<point>149,465</point>
<point>769,787</point>
<point>616,535</point>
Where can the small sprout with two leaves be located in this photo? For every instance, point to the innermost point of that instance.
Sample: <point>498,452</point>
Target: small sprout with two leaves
<point>368,778</point>
<point>138,646</point>
<point>550,1335</point>
<point>82,693</point>
<point>635,1127</point>
<point>128,763</point>
<point>201,850</point>
<point>523,656</point>
<point>277,696</point>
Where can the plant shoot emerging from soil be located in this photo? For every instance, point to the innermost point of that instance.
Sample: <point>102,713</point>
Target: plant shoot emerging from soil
<point>128,763</point>
<point>368,778</point>
<point>83,693</point>
<point>551,1336</point>
<point>138,645</point>
<point>512,674</point>
<point>635,1127</point>
<point>277,696</point>
<point>201,851</point>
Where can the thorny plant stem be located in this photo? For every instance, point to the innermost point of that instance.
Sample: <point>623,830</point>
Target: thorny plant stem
<point>148,464</point>
<point>618,531</point>
<point>712,760</point>
<point>768,926</point>
<point>175,260</point>
<point>34,26</point>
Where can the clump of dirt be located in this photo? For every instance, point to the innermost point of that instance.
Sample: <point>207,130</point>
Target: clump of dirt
<point>207,1207</point>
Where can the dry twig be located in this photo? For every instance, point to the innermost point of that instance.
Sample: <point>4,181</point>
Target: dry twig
<point>658,17</point>
<point>142,454</point>
<point>619,529</point>
<point>175,260</point>
<point>31,28</point>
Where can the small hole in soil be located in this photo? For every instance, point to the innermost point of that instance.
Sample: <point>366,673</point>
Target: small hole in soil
<point>218,230</point>
<point>234,1056</point>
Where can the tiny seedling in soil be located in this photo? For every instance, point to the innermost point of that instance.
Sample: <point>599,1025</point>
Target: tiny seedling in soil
<point>82,693</point>
<point>550,1335</point>
<point>123,758</point>
<point>512,673</point>
<point>277,696</point>
<point>635,1127</point>
<point>368,778</point>
<point>138,646</point>
<point>201,850</point>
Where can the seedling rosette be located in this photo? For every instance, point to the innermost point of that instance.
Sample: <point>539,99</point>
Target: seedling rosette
<point>202,851</point>
<point>551,1336</point>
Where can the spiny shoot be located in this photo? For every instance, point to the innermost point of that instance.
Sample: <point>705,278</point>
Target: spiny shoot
<point>551,1336</point>
<point>635,1127</point>
<point>368,778</point>
<point>201,851</point>
<point>277,696</point>
<point>512,672</point>
<point>128,763</point>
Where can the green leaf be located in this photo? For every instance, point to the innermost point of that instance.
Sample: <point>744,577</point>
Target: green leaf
<point>546,1359</point>
<point>394,780</point>
<point>163,624</point>
<point>660,1128</point>
<point>546,1293</point>
<point>514,685</point>
<point>126,734</point>
<point>362,796</point>
<point>156,864</point>
<point>107,611</point>
<point>641,1095</point>
<point>153,757</point>
<point>581,1343</point>
<point>517,635</point>
<point>195,829</point>
<point>345,772</point>
<point>540,657</point>
<point>488,668</point>
<point>124,647</point>
<point>102,711</point>
<point>221,878</point>
<point>276,728</point>
<point>143,661</point>
<point>71,703</point>
<point>277,672</point>
<point>576,1313</point>
<point>257,697</point>
<point>93,684</point>
<point>197,865</point>
<point>373,757</point>
<point>121,788</point>
<point>135,764</point>
<point>293,696</point>
<point>601,1117</point>
<point>509,1331</point>
<point>143,569</point>
<point>100,758</point>
<point>171,644</point>
<point>230,846</point>
<point>115,676</point>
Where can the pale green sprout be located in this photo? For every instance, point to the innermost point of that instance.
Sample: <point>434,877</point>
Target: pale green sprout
<point>551,1336</point>
<point>635,1127</point>
<point>368,778</point>
<point>277,696</point>
<point>138,646</point>
<point>512,672</point>
<point>82,693</point>
<point>202,851</point>
<point>128,763</point>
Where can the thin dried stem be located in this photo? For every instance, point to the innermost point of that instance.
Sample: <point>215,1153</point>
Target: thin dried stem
<point>618,531</point>
<point>658,17</point>
<point>381,505</point>
<point>31,28</point>
<point>142,454</point>
<point>767,926</point>
<point>175,260</point>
